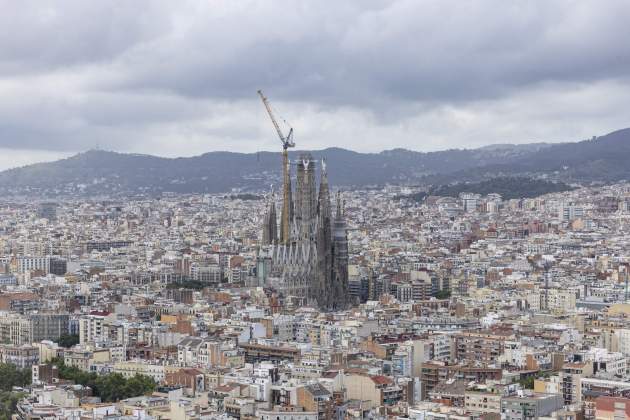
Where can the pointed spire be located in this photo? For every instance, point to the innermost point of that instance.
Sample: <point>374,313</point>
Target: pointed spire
<point>339,212</point>
<point>287,201</point>
<point>270,229</point>
<point>324,193</point>
<point>324,176</point>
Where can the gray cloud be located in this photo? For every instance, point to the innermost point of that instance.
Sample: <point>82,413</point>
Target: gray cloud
<point>177,78</point>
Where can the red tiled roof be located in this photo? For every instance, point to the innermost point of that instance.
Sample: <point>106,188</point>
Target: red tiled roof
<point>381,380</point>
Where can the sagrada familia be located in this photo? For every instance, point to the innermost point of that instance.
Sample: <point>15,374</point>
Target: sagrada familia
<point>307,254</point>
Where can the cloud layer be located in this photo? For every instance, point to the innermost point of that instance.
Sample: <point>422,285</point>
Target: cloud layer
<point>180,78</point>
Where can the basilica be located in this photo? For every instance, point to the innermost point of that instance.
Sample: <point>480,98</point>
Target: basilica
<point>305,259</point>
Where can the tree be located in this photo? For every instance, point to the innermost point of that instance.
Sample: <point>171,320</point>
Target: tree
<point>188,284</point>
<point>527,382</point>
<point>443,294</point>
<point>110,388</point>
<point>8,403</point>
<point>139,385</point>
<point>68,340</point>
<point>11,376</point>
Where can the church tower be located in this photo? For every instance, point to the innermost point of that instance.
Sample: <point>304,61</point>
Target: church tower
<point>340,258</point>
<point>309,261</point>
<point>322,290</point>
<point>287,201</point>
<point>270,223</point>
<point>306,197</point>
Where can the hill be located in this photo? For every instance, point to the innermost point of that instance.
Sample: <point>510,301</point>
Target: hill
<point>601,159</point>
<point>97,172</point>
<point>103,172</point>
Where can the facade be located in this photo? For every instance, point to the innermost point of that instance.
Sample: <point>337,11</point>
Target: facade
<point>570,211</point>
<point>130,369</point>
<point>315,398</point>
<point>22,357</point>
<point>612,408</point>
<point>47,264</point>
<point>530,407</point>
<point>311,262</point>
<point>571,381</point>
<point>44,373</point>
<point>47,211</point>
<point>482,402</point>
<point>106,245</point>
<point>26,264</point>
<point>27,329</point>
<point>471,346</point>
<point>284,414</point>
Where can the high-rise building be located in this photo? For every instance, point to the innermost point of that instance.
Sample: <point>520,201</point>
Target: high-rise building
<point>47,264</point>
<point>570,211</point>
<point>47,211</point>
<point>26,329</point>
<point>310,265</point>
<point>469,201</point>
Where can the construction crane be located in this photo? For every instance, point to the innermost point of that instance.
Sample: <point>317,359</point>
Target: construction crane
<point>287,141</point>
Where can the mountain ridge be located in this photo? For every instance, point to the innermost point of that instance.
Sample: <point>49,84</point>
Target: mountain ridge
<point>600,159</point>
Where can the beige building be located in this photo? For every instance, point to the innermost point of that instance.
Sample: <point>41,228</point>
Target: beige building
<point>48,350</point>
<point>482,402</point>
<point>560,300</point>
<point>83,358</point>
<point>571,381</point>
<point>130,369</point>
<point>376,390</point>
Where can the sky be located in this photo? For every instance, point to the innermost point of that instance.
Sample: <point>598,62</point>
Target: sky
<point>179,78</point>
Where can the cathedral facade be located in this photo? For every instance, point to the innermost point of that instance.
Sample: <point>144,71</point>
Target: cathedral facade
<point>307,256</point>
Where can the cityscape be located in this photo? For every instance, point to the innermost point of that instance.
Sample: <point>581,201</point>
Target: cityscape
<point>190,230</point>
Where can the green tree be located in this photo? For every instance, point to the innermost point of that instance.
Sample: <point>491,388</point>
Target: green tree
<point>112,387</point>
<point>11,376</point>
<point>527,382</point>
<point>68,340</point>
<point>188,284</point>
<point>8,403</point>
<point>139,385</point>
<point>443,294</point>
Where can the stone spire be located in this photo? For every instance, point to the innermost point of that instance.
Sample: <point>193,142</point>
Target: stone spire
<point>270,224</point>
<point>287,201</point>
<point>306,196</point>
<point>340,258</point>
<point>323,201</point>
<point>323,290</point>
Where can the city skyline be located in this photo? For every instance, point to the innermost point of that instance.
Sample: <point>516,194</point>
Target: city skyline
<point>290,210</point>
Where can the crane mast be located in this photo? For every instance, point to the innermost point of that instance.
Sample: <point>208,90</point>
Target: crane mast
<point>286,190</point>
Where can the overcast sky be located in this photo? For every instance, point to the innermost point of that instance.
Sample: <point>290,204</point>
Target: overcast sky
<point>178,78</point>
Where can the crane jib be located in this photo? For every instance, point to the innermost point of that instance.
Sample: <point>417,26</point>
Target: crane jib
<point>287,141</point>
